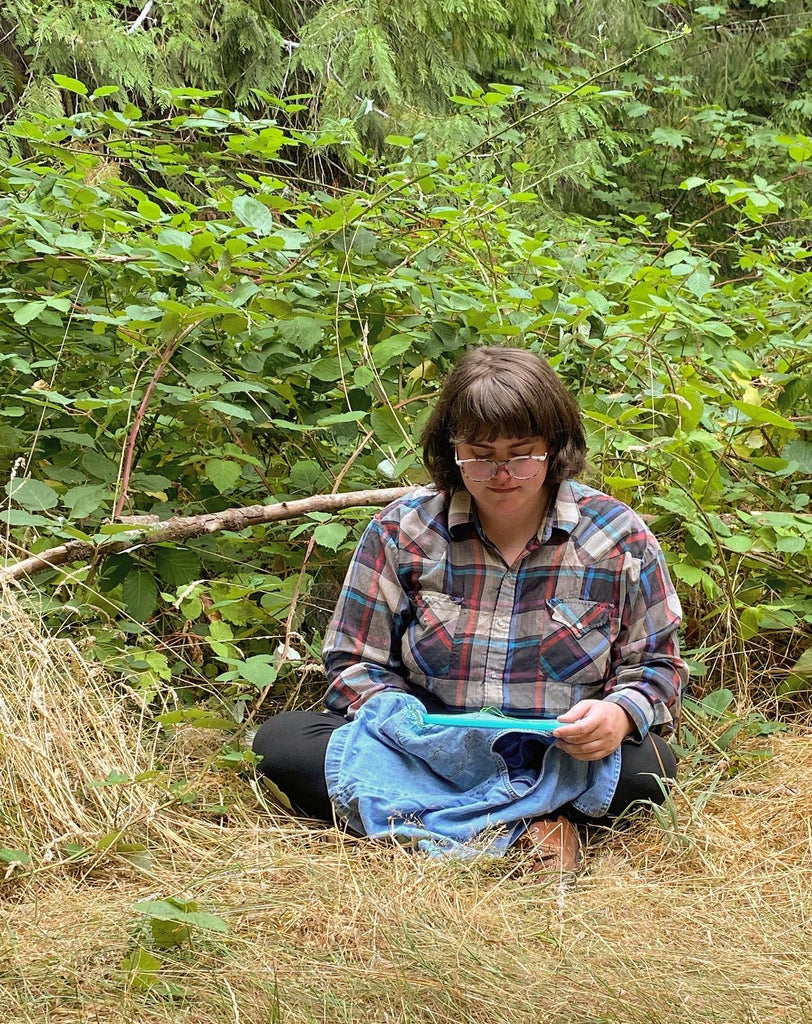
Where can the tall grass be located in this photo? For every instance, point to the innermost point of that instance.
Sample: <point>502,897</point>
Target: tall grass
<point>701,917</point>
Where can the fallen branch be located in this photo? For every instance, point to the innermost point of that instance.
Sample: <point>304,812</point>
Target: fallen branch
<point>183,528</point>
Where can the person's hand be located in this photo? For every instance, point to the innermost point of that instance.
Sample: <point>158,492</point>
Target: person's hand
<point>591,729</point>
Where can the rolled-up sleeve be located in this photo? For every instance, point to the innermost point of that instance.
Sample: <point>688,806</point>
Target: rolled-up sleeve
<point>362,644</point>
<point>648,675</point>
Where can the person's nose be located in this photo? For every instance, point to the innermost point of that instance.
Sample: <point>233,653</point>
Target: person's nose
<point>502,473</point>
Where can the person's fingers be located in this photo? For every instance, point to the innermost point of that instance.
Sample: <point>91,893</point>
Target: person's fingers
<point>580,730</point>
<point>576,712</point>
<point>588,752</point>
<point>591,744</point>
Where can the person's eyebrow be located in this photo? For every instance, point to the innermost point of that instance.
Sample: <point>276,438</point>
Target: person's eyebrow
<point>489,447</point>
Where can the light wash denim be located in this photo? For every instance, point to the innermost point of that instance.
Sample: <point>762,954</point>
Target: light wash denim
<point>450,789</point>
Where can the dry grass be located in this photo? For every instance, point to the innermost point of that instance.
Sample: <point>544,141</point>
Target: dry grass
<point>704,922</point>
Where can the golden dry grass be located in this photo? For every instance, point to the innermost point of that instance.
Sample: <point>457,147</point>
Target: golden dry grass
<point>704,922</point>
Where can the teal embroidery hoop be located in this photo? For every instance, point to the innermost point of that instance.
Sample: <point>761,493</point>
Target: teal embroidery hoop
<point>492,718</point>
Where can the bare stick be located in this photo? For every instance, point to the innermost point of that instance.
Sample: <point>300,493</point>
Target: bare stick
<point>167,354</point>
<point>183,528</point>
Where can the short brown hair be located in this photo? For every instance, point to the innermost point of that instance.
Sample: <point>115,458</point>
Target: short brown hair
<point>503,392</point>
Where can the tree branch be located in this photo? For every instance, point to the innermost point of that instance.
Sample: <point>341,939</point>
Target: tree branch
<point>183,528</point>
<point>139,21</point>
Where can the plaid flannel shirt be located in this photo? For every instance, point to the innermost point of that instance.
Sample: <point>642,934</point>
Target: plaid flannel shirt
<point>586,611</point>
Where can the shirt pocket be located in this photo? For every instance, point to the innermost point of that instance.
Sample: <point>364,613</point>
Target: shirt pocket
<point>428,644</point>
<point>576,641</point>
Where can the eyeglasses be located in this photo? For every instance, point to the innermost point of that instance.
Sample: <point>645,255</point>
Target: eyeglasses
<point>522,467</point>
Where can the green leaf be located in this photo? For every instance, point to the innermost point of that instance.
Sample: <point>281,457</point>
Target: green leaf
<point>330,535</point>
<point>717,328</point>
<point>140,595</point>
<point>764,617</point>
<point>326,370</point>
<point>791,545</point>
<point>689,574</point>
<point>258,670</point>
<point>150,483</point>
<point>112,778</point>
<point>727,737</point>
<point>669,137</point>
<point>169,934</point>
<point>71,84</point>
<point>223,474</point>
<point>28,312</point>
<point>100,466</point>
<point>253,214</point>
<point>32,494</point>
<point>619,483</point>
<point>177,566</point>
<point>800,675</point>
<point>228,409</point>
<point>149,211</point>
<point>142,969</point>
<point>362,240</point>
<point>84,499</point>
<point>758,414</point>
<point>17,517</point>
<point>210,922</point>
<point>717,702</point>
<point>739,542</point>
<point>335,419</point>
<point>386,426</point>
<point>800,452</point>
<point>385,351</point>
<point>770,463</point>
<point>13,856</point>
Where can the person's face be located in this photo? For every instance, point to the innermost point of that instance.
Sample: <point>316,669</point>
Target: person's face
<point>504,497</point>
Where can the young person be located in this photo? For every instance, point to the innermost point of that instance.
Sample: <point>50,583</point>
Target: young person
<point>506,583</point>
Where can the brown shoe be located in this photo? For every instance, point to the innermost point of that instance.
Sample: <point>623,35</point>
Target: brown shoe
<point>556,844</point>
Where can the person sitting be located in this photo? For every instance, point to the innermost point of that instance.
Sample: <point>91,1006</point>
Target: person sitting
<point>505,583</point>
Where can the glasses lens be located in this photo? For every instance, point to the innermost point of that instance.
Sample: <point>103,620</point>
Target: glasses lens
<point>523,469</point>
<point>480,469</point>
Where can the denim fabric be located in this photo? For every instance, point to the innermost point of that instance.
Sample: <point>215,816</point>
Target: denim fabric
<point>449,789</point>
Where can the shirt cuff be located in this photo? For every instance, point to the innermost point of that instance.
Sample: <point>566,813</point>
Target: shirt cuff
<point>637,706</point>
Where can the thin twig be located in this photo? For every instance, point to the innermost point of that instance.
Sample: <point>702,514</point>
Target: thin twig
<point>129,449</point>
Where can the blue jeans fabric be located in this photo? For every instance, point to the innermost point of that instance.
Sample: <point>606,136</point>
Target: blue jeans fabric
<point>449,789</point>
<point>293,746</point>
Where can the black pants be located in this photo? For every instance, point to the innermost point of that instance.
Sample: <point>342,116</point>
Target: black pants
<point>293,745</point>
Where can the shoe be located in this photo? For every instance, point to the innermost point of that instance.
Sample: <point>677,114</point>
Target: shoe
<point>556,845</point>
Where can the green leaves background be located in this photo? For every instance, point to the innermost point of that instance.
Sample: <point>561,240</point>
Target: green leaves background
<point>305,296</point>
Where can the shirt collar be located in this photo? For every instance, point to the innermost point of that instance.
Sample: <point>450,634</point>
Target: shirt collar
<point>562,515</point>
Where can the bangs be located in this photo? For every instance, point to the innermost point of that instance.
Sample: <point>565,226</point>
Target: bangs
<point>496,392</point>
<point>491,408</point>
